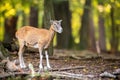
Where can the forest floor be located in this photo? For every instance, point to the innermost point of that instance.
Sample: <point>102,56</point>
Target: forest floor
<point>69,65</point>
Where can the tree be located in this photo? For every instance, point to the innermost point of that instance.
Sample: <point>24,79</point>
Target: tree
<point>10,19</point>
<point>61,9</point>
<point>101,40</point>
<point>10,28</point>
<point>87,38</point>
<point>101,23</point>
<point>114,30</point>
<point>33,20</point>
<point>48,15</point>
<point>112,16</point>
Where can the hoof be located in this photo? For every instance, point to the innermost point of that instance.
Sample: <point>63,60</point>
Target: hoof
<point>40,70</point>
<point>47,68</point>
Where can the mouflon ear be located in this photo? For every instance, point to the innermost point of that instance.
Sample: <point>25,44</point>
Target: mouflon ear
<point>51,21</point>
<point>60,20</point>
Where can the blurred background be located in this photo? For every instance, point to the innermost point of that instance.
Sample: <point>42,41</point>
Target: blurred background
<point>87,24</point>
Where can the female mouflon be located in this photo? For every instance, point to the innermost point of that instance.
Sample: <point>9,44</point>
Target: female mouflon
<point>37,38</point>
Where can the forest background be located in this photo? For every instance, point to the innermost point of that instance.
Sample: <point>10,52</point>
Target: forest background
<point>87,24</point>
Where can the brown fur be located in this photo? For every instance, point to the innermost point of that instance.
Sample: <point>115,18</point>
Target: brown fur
<point>31,36</point>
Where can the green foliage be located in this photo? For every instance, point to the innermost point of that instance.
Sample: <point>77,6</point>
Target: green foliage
<point>99,7</point>
<point>76,7</point>
<point>15,7</point>
<point>10,8</point>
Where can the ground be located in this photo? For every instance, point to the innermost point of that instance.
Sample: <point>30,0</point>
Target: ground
<point>78,65</point>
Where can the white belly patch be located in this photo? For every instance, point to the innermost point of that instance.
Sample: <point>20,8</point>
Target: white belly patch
<point>35,46</point>
<point>32,45</point>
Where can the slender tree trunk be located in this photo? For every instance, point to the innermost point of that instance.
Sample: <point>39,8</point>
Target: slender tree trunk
<point>87,38</point>
<point>102,43</point>
<point>48,15</point>
<point>24,19</point>
<point>61,9</point>
<point>92,41</point>
<point>10,28</point>
<point>33,16</point>
<point>114,38</point>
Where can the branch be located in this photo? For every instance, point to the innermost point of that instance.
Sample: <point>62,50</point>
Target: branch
<point>107,74</point>
<point>69,68</point>
<point>61,74</point>
<point>3,75</point>
<point>71,75</point>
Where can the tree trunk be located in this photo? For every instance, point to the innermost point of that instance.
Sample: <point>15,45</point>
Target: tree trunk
<point>102,43</point>
<point>61,9</point>
<point>48,15</point>
<point>3,52</point>
<point>114,38</point>
<point>92,41</point>
<point>10,28</point>
<point>24,19</point>
<point>33,16</point>
<point>87,38</point>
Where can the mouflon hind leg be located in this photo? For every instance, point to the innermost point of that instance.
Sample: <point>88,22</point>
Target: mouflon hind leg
<point>41,57</point>
<point>20,53</point>
<point>47,59</point>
